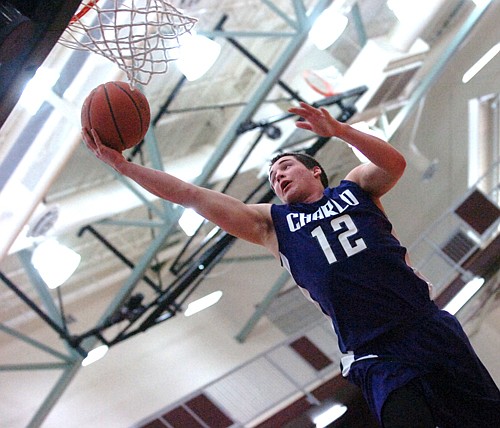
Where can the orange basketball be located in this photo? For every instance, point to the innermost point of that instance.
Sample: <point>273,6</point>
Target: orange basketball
<point>119,113</point>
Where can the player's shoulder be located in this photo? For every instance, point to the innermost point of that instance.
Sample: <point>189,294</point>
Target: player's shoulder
<point>344,184</point>
<point>355,175</point>
<point>263,210</point>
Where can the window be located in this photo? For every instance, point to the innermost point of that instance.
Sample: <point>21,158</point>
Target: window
<point>484,141</point>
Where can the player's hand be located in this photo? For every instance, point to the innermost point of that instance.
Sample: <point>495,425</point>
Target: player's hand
<point>108,155</point>
<point>317,120</point>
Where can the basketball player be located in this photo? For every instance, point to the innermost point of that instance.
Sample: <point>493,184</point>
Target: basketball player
<point>412,361</point>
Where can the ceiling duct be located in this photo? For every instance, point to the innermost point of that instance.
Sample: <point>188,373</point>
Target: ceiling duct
<point>388,65</point>
<point>389,74</point>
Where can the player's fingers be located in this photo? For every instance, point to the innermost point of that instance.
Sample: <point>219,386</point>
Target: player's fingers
<point>304,116</point>
<point>297,110</point>
<point>92,141</point>
<point>85,133</point>
<point>307,107</point>
<point>87,139</point>
<point>311,111</point>
<point>303,125</point>
<point>96,137</point>
<point>325,112</point>
<point>97,141</point>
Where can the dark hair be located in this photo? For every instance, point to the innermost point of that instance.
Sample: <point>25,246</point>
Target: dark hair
<point>308,161</point>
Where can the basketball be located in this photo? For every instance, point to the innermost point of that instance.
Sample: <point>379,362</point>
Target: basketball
<point>119,113</point>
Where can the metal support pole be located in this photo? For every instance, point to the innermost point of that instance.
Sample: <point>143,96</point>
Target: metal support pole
<point>39,312</point>
<point>430,78</point>
<point>263,306</point>
<point>34,343</point>
<point>117,253</point>
<point>54,395</point>
<point>266,85</point>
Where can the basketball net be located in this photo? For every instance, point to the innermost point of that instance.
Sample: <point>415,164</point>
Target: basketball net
<point>140,36</point>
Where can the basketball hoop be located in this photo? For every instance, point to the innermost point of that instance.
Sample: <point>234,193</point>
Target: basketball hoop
<point>318,83</point>
<point>140,36</point>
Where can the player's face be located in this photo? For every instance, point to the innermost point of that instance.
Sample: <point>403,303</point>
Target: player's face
<point>293,182</point>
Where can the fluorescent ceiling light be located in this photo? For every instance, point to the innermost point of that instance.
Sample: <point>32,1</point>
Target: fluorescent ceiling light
<point>197,54</point>
<point>95,355</point>
<point>328,27</point>
<point>478,66</point>
<point>464,295</point>
<point>410,11</point>
<point>36,90</point>
<point>54,262</point>
<point>203,303</point>
<point>329,415</point>
<point>190,221</point>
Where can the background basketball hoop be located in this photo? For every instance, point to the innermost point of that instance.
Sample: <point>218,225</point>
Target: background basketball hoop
<point>318,84</point>
<point>322,81</point>
<point>140,36</point>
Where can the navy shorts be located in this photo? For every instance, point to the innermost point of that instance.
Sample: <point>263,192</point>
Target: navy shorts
<point>437,355</point>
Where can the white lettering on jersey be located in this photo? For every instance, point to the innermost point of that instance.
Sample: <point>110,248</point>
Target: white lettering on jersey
<point>330,209</point>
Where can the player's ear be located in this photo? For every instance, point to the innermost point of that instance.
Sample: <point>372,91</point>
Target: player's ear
<point>316,171</point>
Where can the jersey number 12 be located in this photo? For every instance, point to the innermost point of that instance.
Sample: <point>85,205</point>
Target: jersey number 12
<point>349,247</point>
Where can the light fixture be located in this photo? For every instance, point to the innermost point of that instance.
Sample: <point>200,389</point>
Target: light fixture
<point>95,355</point>
<point>197,54</point>
<point>330,414</point>
<point>408,12</point>
<point>464,295</point>
<point>190,221</point>
<point>54,262</point>
<point>36,90</point>
<point>328,27</point>
<point>203,303</point>
<point>479,65</point>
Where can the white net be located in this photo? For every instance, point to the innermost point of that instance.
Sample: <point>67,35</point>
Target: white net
<point>140,36</point>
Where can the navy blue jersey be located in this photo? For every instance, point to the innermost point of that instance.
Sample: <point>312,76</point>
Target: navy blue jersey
<point>342,250</point>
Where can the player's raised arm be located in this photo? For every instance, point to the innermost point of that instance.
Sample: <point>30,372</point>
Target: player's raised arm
<point>386,163</point>
<point>250,222</point>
